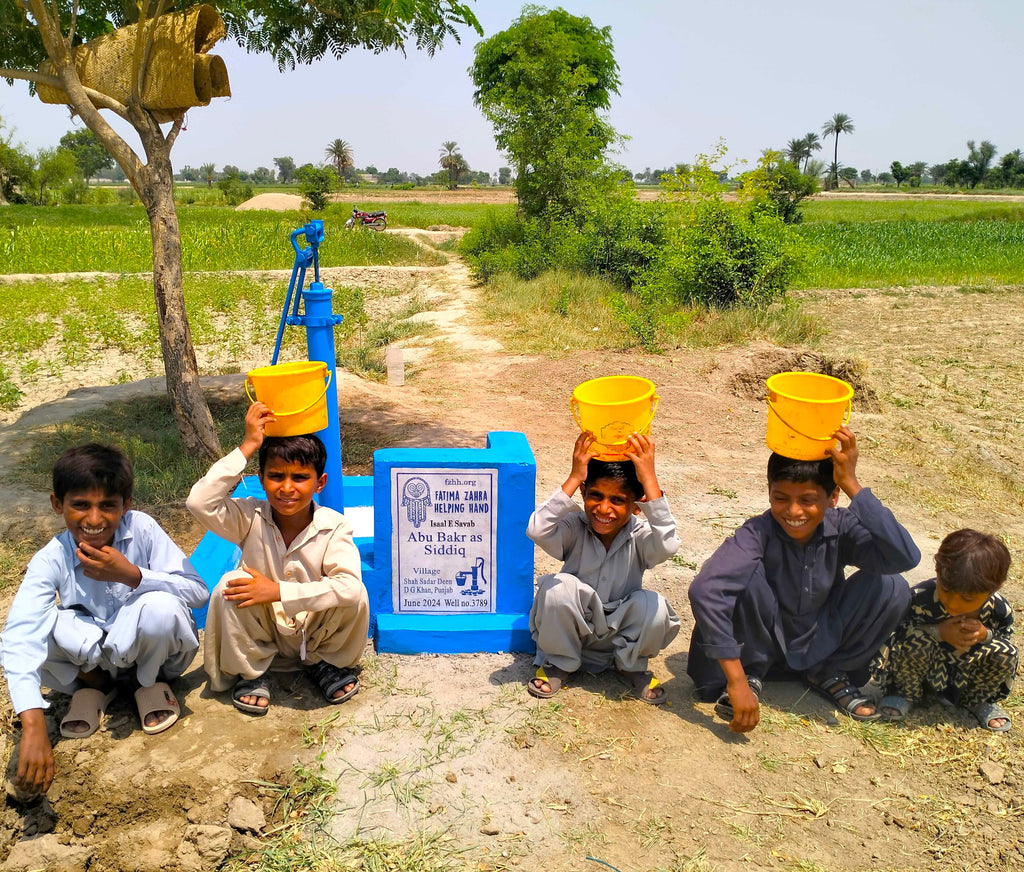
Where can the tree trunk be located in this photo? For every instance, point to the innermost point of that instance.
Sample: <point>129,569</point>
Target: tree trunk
<point>188,405</point>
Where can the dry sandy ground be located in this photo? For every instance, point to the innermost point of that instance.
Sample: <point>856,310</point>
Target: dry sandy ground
<point>454,747</point>
<point>279,202</point>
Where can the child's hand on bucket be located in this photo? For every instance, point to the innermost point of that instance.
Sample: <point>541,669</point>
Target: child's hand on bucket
<point>844,461</point>
<point>256,419</point>
<point>583,452</point>
<point>640,449</point>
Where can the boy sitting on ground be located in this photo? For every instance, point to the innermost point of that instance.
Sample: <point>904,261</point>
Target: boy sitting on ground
<point>298,598</point>
<point>956,637</point>
<point>595,612</point>
<point>109,597</point>
<point>775,594</point>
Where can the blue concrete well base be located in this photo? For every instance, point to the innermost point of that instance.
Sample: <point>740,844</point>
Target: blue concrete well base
<point>453,634</point>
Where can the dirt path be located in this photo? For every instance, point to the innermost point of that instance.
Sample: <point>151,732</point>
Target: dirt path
<point>452,749</point>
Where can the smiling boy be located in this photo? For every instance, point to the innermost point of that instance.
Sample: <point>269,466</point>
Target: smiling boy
<point>775,594</point>
<point>595,612</point>
<point>298,598</point>
<point>107,598</point>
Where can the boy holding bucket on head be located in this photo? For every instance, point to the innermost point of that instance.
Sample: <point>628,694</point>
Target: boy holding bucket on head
<point>595,613</point>
<point>956,637</point>
<point>775,595</point>
<point>298,598</point>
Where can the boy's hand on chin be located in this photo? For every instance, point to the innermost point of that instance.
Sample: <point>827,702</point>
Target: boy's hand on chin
<point>108,564</point>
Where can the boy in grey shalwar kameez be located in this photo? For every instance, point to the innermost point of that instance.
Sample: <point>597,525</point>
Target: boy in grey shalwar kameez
<point>595,612</point>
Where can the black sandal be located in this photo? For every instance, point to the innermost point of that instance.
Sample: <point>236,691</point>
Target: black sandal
<point>330,679</point>
<point>723,707</point>
<point>844,695</point>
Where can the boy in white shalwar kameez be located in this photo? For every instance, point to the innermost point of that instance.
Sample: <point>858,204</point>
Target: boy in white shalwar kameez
<point>108,598</point>
<point>595,613</point>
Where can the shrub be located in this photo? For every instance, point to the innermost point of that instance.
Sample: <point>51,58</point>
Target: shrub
<point>617,237</point>
<point>316,185</point>
<point>235,190</point>
<point>724,254</point>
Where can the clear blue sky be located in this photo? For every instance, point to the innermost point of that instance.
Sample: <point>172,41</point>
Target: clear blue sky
<point>918,77</point>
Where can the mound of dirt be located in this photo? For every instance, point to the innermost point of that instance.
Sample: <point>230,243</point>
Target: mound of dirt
<point>749,382</point>
<point>272,203</point>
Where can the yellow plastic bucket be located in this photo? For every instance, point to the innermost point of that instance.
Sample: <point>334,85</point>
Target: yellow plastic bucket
<point>612,408</point>
<point>804,410</point>
<point>295,392</point>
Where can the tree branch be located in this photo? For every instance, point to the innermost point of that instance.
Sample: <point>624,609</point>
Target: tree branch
<point>172,134</point>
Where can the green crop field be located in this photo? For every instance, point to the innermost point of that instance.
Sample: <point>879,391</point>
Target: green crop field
<point>873,243</point>
<point>116,239</point>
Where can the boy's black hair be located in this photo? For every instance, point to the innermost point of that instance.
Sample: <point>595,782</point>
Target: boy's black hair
<point>621,471</point>
<point>786,469</point>
<point>306,450</point>
<point>93,466</point>
<point>969,562</point>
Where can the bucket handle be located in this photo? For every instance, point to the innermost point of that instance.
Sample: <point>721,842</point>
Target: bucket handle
<point>574,408</point>
<point>846,418</point>
<point>327,384</point>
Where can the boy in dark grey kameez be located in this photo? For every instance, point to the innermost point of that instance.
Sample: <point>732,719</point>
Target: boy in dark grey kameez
<point>956,637</point>
<point>775,594</point>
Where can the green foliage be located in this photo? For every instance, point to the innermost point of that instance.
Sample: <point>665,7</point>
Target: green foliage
<point>56,166</point>
<point>616,237</point>
<point>777,186</point>
<point>90,155</point>
<point>17,170</point>
<point>10,394</point>
<point>723,254</point>
<point>285,169</point>
<point>316,184</point>
<point>541,83</point>
<point>453,163</point>
<point>234,189</point>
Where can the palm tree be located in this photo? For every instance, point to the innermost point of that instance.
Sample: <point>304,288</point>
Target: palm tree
<point>813,144</point>
<point>797,151</point>
<point>453,162</point>
<point>339,153</point>
<point>838,123</point>
<point>208,172</point>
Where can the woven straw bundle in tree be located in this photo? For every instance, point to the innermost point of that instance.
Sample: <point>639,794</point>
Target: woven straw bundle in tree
<point>179,75</point>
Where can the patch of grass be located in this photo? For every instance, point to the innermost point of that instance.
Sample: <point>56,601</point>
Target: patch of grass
<point>557,313</point>
<point>10,394</point>
<point>696,862</point>
<point>14,557</point>
<point>145,430</point>
<point>784,323</point>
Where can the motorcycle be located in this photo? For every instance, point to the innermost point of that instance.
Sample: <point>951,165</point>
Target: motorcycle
<point>374,220</point>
